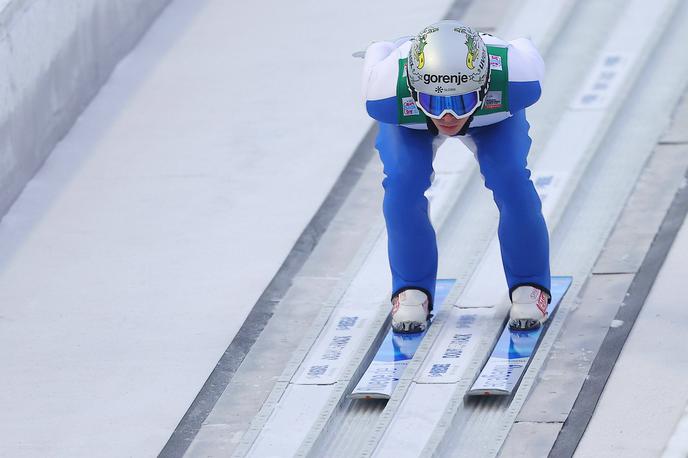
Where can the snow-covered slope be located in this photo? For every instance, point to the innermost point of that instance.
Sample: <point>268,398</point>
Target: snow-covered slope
<point>131,259</point>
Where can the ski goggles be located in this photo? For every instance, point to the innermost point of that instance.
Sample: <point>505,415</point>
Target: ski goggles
<point>460,106</point>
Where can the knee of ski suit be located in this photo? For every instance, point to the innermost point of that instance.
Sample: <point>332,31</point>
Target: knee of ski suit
<point>407,157</point>
<point>502,151</point>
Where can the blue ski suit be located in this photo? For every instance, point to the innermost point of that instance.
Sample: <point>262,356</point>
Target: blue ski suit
<point>498,135</point>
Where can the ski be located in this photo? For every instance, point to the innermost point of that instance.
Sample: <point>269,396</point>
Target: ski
<point>513,351</point>
<point>394,354</point>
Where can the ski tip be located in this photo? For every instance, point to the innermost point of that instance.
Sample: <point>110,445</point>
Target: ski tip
<point>358,54</point>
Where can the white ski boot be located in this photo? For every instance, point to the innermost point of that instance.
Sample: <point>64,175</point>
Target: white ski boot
<point>410,309</point>
<point>528,309</point>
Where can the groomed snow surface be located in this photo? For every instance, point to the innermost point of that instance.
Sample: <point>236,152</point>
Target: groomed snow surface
<point>132,258</point>
<point>640,410</point>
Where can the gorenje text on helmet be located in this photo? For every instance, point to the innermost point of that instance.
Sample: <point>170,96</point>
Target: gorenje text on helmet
<point>454,79</point>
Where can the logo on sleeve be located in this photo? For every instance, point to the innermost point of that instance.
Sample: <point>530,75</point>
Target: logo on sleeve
<point>493,100</point>
<point>410,108</point>
<point>495,62</point>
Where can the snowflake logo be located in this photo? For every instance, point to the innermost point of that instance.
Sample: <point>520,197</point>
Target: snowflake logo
<point>438,90</point>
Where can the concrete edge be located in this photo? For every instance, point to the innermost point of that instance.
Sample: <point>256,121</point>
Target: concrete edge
<point>575,425</point>
<point>260,314</point>
<point>46,84</point>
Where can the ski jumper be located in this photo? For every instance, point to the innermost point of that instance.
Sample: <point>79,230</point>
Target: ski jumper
<point>498,136</point>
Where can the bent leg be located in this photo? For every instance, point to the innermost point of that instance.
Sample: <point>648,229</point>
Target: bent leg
<point>502,153</point>
<point>407,156</point>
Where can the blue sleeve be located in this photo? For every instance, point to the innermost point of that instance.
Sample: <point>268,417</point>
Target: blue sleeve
<point>523,94</point>
<point>383,110</point>
<point>526,71</point>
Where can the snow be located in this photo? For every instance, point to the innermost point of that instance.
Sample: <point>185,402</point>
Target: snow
<point>635,415</point>
<point>132,258</point>
<point>677,447</point>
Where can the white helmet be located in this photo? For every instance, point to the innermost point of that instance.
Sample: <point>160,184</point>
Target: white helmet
<point>448,59</point>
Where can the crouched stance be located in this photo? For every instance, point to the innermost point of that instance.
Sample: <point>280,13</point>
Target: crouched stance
<point>487,104</point>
